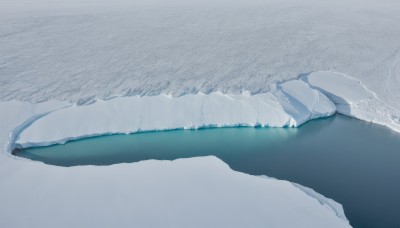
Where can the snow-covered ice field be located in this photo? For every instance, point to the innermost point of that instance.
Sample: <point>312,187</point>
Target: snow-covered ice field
<point>73,69</point>
<point>85,49</point>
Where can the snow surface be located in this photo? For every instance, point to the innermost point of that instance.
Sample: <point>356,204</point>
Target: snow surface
<point>195,192</point>
<point>80,50</point>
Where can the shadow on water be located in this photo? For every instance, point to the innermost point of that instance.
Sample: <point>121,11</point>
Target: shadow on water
<point>351,161</point>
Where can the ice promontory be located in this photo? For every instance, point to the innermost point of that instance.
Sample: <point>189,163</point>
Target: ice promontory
<point>289,104</point>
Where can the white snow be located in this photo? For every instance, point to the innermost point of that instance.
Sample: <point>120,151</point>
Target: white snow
<point>195,192</point>
<point>80,50</point>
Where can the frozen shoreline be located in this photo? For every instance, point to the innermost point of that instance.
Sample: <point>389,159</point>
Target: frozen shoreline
<point>290,104</point>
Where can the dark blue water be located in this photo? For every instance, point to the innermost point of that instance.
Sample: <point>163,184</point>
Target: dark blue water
<point>351,161</point>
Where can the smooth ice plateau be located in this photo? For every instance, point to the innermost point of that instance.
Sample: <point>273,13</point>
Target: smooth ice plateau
<point>71,70</point>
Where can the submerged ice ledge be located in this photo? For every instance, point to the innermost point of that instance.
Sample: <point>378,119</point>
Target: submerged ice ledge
<point>289,104</point>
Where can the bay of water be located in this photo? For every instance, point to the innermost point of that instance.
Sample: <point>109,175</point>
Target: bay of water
<point>353,162</point>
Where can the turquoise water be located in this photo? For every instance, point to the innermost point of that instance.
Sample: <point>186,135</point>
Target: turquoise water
<point>353,162</point>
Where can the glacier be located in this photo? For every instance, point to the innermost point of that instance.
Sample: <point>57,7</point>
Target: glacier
<point>74,69</point>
